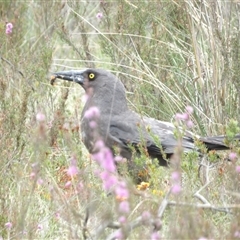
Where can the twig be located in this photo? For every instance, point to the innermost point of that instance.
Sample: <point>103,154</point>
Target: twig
<point>205,206</point>
<point>5,60</point>
<point>84,232</point>
<point>163,205</point>
<point>199,196</point>
<point>128,228</point>
<point>103,226</point>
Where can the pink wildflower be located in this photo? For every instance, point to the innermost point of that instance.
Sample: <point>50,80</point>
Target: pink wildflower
<point>9,27</point>
<point>182,116</point>
<point>124,207</point>
<point>175,176</point>
<point>8,31</point>
<point>40,117</point>
<point>189,109</point>
<point>40,227</point>
<point>109,180</point>
<point>99,144</point>
<point>118,234</point>
<point>237,234</point>
<point>122,192</point>
<point>99,15</point>
<point>118,159</point>
<point>68,184</point>
<point>8,225</point>
<point>92,124</point>
<point>232,156</point>
<point>189,124</point>
<point>40,181</point>
<point>92,112</point>
<point>238,169</point>
<point>57,215</point>
<point>32,175</point>
<point>108,161</point>
<point>155,236</point>
<point>176,189</point>
<point>72,171</point>
<point>122,219</point>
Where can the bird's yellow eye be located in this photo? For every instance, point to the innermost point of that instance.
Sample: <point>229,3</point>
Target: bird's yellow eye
<point>91,76</point>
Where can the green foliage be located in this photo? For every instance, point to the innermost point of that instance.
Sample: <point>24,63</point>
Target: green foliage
<point>232,129</point>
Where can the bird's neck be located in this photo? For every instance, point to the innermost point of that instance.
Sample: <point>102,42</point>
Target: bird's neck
<point>108,102</point>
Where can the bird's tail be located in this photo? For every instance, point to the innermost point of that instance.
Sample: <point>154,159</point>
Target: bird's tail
<point>216,142</point>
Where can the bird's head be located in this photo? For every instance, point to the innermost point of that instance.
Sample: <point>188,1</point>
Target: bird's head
<point>104,88</point>
<point>89,78</point>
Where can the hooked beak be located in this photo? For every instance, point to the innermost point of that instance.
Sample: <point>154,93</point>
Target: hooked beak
<point>72,76</point>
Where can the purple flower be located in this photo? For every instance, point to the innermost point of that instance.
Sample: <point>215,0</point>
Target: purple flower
<point>109,180</point>
<point>8,31</point>
<point>9,28</point>
<point>105,159</point>
<point>238,169</point>
<point>237,234</point>
<point>108,161</point>
<point>99,15</point>
<point>122,219</point>
<point>8,225</point>
<point>118,159</point>
<point>124,207</point>
<point>40,181</point>
<point>40,227</point>
<point>175,176</point>
<point>92,112</point>
<point>118,234</point>
<point>189,124</point>
<point>182,116</point>
<point>40,117</point>
<point>57,215</point>
<point>72,169</point>
<point>121,192</point>
<point>92,124</point>
<point>176,189</point>
<point>9,25</point>
<point>98,157</point>
<point>155,236</point>
<point>32,175</point>
<point>68,184</point>
<point>189,109</point>
<point>232,156</point>
<point>99,144</point>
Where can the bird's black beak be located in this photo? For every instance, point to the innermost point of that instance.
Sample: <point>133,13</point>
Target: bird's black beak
<point>72,76</point>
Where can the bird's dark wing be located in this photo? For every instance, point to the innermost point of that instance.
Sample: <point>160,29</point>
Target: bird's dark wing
<point>166,131</point>
<point>215,142</point>
<point>132,129</point>
<point>126,128</point>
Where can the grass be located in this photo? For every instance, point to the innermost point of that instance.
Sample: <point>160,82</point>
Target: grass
<point>169,54</point>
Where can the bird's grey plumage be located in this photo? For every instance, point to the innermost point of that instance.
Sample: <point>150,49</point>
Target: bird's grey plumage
<point>122,127</point>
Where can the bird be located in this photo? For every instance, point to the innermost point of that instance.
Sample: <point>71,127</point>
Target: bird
<point>121,127</point>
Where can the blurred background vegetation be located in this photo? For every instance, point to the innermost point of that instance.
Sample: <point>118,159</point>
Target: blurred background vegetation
<point>169,54</point>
